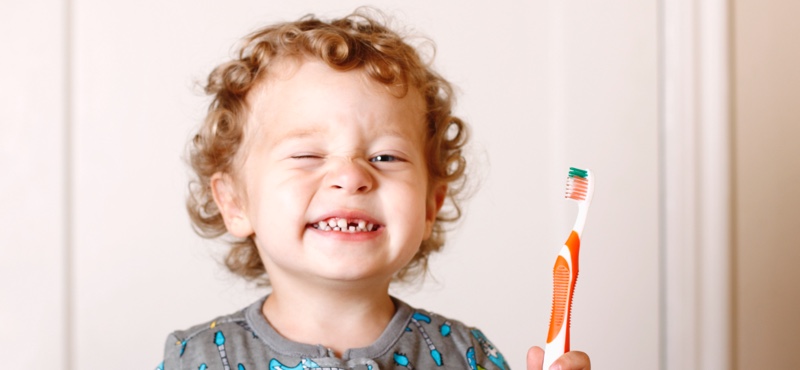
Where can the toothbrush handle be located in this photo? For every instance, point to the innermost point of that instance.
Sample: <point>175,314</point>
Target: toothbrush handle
<point>565,275</point>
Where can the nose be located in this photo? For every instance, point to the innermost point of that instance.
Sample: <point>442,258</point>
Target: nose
<point>350,175</point>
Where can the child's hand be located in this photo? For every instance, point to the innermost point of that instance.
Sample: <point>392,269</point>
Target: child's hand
<point>572,360</point>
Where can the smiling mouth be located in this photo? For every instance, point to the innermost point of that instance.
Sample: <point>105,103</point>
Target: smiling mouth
<point>345,225</point>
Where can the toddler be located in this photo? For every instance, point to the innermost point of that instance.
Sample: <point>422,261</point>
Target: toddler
<point>327,153</point>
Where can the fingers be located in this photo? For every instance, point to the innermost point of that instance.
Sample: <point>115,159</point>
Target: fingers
<point>573,360</point>
<point>535,358</point>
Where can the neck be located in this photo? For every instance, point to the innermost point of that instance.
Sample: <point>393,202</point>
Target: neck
<point>335,317</point>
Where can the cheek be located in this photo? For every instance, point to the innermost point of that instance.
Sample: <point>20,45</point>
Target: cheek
<point>412,200</point>
<point>280,200</point>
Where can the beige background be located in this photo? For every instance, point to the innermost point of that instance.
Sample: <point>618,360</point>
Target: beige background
<point>98,262</point>
<point>767,129</point>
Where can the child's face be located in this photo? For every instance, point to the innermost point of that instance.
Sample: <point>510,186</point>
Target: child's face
<point>328,148</point>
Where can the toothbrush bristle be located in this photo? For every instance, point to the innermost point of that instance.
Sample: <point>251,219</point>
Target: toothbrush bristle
<point>577,184</point>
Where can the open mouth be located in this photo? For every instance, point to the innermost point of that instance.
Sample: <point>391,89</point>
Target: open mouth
<point>345,225</point>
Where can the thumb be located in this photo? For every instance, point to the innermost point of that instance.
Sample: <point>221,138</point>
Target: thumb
<point>535,358</point>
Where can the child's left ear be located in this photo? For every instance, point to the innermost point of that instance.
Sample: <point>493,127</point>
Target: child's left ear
<point>435,203</point>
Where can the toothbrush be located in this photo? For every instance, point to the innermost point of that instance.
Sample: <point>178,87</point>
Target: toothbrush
<point>580,185</point>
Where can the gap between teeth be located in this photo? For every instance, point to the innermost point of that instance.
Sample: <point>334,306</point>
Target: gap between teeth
<point>343,225</point>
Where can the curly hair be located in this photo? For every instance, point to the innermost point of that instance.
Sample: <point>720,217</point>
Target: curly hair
<point>357,41</point>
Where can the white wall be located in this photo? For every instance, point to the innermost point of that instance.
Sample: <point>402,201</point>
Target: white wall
<point>33,170</point>
<point>545,85</point>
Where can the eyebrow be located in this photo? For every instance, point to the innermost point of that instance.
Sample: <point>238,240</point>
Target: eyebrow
<point>304,132</point>
<point>299,133</point>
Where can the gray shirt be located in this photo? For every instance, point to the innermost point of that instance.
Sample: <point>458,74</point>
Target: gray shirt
<point>413,339</point>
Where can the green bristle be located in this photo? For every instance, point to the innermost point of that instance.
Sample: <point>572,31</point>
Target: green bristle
<point>577,172</point>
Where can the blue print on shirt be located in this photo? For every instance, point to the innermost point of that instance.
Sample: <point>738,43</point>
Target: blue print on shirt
<point>489,349</point>
<point>435,354</point>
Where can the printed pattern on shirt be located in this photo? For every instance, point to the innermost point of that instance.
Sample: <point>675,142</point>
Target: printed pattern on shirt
<point>426,341</point>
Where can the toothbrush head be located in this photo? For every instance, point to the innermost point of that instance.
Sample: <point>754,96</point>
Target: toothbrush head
<point>579,185</point>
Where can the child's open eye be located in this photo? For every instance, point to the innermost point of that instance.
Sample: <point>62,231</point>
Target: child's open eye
<point>384,158</point>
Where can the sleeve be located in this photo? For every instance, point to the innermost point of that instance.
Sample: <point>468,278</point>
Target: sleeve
<point>173,349</point>
<point>484,354</point>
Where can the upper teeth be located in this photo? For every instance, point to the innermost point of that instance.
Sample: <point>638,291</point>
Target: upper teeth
<point>345,225</point>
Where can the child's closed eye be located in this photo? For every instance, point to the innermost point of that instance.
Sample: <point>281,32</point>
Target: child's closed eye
<point>306,156</point>
<point>306,160</point>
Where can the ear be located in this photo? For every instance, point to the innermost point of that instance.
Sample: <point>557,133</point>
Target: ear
<point>434,204</point>
<point>230,206</point>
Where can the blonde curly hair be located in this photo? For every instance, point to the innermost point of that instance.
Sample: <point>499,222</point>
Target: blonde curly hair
<point>357,41</point>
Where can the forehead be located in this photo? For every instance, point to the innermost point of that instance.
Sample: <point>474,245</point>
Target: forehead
<point>301,98</point>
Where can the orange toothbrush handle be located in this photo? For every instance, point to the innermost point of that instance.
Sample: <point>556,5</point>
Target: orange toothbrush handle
<point>565,275</point>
